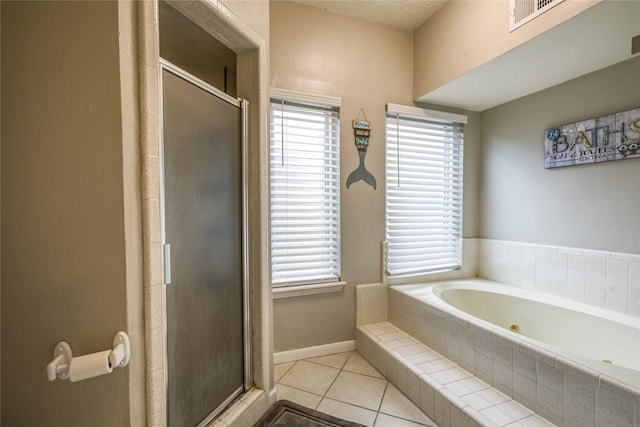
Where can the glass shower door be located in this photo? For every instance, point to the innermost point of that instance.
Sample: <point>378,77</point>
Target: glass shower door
<point>202,157</point>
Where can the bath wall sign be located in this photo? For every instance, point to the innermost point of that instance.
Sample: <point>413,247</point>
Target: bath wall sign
<point>612,137</point>
<point>361,133</point>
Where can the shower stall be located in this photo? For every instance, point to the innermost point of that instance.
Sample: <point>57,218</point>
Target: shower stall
<point>204,223</point>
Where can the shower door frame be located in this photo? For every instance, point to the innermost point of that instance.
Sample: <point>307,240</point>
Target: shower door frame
<point>243,105</point>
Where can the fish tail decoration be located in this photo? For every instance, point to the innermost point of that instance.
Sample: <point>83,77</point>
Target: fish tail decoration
<point>361,172</point>
<point>362,131</point>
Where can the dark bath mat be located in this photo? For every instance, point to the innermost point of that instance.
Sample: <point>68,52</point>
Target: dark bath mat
<point>286,413</point>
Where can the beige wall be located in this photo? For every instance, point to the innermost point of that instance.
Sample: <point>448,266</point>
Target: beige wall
<point>587,206</point>
<point>464,34</point>
<point>367,65</point>
<point>65,211</point>
<point>71,235</point>
<point>253,13</point>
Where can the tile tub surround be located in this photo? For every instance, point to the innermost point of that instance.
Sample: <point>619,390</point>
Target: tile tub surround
<point>608,280</point>
<point>443,390</point>
<point>554,387</point>
<point>371,303</point>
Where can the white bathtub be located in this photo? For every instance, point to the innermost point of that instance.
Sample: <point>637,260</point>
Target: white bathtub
<point>582,333</point>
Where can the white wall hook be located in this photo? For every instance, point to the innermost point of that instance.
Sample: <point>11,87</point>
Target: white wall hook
<point>59,366</point>
<point>65,366</point>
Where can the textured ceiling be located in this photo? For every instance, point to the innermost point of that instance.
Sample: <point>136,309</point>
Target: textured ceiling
<point>404,14</point>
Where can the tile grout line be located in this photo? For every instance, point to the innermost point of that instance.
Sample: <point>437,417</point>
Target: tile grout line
<point>377,412</point>
<point>299,389</point>
<point>334,380</point>
<point>384,393</point>
<point>324,396</point>
<point>386,387</point>
<point>341,370</point>
<point>287,371</point>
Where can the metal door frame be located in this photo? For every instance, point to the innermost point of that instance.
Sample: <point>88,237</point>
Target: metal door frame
<point>243,105</point>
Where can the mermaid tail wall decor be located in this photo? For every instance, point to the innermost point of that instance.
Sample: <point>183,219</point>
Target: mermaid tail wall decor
<point>361,173</point>
<point>361,130</point>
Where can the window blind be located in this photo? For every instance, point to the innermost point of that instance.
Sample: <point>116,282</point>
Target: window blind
<point>305,192</point>
<point>423,191</point>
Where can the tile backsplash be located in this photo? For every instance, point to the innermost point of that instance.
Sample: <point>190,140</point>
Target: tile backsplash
<point>609,280</point>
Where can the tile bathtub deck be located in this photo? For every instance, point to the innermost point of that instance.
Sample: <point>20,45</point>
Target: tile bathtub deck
<point>474,397</point>
<point>345,385</point>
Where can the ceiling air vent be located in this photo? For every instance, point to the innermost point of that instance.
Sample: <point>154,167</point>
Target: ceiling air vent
<point>523,11</point>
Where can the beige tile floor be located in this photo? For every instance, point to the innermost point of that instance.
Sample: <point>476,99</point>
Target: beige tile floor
<point>345,385</point>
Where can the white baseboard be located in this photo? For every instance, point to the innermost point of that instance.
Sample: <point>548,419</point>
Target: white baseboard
<point>315,351</point>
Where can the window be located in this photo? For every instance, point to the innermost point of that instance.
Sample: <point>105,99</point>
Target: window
<point>423,191</point>
<point>305,189</point>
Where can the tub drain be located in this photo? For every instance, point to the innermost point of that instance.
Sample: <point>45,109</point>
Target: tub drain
<point>514,328</point>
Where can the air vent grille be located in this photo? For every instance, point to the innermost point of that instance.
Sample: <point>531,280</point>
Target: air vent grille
<point>522,11</point>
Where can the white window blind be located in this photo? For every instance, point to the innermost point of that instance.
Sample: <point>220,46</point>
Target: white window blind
<point>423,191</point>
<point>305,192</point>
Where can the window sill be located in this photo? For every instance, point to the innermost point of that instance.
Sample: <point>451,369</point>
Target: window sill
<point>303,290</point>
<point>455,273</point>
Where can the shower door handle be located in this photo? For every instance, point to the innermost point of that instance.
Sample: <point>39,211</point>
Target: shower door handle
<point>167,264</point>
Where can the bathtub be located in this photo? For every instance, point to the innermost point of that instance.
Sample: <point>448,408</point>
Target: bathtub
<point>605,343</point>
